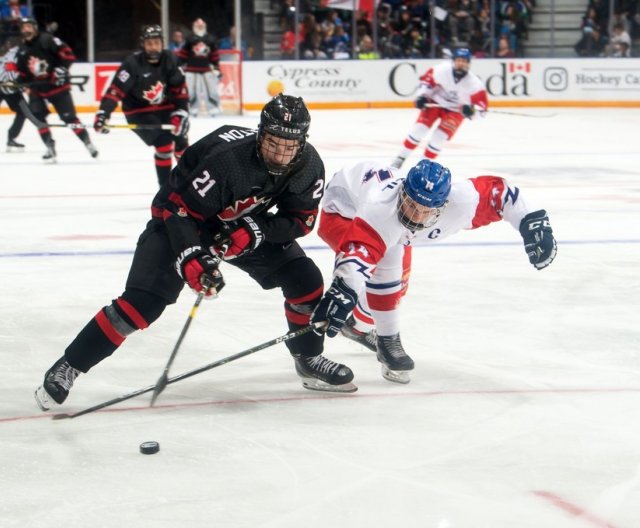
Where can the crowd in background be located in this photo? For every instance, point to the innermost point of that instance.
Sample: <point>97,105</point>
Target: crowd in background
<point>406,29</point>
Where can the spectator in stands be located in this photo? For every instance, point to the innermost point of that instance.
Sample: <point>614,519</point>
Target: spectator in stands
<point>312,47</point>
<point>177,41</point>
<point>288,44</point>
<point>620,43</point>
<point>503,50</point>
<point>417,45</point>
<point>461,20</point>
<point>367,49</point>
<point>591,44</point>
<point>229,42</point>
<point>13,11</point>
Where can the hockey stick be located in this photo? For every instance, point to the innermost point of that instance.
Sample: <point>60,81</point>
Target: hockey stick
<point>74,80</point>
<point>520,114</point>
<point>189,373</point>
<point>127,126</point>
<point>164,377</point>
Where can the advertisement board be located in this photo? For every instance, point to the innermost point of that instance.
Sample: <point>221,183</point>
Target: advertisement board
<point>393,83</point>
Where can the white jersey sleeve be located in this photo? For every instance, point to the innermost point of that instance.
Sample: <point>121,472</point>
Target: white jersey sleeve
<point>9,71</point>
<point>475,203</point>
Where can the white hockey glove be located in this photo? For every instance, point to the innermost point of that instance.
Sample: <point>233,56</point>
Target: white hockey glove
<point>539,242</point>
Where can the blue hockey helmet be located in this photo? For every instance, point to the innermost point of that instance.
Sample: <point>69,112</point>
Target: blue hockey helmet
<point>460,69</point>
<point>461,53</point>
<point>423,195</point>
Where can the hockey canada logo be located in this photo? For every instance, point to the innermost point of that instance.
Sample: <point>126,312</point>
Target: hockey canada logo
<point>201,49</point>
<point>155,94</point>
<point>38,67</point>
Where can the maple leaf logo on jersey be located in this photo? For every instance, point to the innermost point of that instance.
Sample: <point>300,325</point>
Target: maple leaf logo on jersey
<point>155,94</point>
<point>201,49</point>
<point>310,220</point>
<point>38,67</point>
<point>241,207</point>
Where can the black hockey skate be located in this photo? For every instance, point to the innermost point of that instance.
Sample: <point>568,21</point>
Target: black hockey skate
<point>396,364</point>
<point>50,155</point>
<point>92,149</point>
<point>322,374</point>
<point>56,385</point>
<point>366,339</point>
<point>14,146</point>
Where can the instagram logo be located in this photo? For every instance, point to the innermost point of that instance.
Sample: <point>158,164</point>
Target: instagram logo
<point>556,79</point>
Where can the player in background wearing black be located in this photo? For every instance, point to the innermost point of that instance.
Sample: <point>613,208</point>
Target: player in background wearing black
<point>152,90</point>
<point>10,91</point>
<point>199,57</point>
<point>43,62</point>
<point>222,194</point>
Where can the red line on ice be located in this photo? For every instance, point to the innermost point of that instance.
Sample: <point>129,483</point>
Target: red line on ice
<point>573,509</point>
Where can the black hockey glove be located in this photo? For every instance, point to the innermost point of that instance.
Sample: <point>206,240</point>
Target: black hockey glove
<point>199,270</point>
<point>238,238</point>
<point>100,122</point>
<point>180,122</point>
<point>538,239</point>
<point>467,111</point>
<point>334,307</point>
<point>60,76</point>
<point>422,102</point>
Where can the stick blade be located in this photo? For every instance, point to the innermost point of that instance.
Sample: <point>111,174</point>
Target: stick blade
<point>61,416</point>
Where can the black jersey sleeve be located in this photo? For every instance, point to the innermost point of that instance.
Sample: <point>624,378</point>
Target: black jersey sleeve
<point>59,51</point>
<point>297,208</point>
<point>123,82</point>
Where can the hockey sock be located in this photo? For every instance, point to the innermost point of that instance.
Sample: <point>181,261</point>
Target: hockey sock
<point>362,315</point>
<point>436,142</point>
<point>413,139</point>
<point>45,134</point>
<point>163,162</point>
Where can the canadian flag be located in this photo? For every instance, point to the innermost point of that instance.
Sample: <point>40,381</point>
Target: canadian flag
<point>361,5</point>
<point>517,67</point>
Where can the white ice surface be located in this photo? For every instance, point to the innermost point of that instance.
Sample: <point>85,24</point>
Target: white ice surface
<point>523,410</point>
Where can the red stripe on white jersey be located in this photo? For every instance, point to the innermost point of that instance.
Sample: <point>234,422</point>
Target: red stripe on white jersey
<point>491,190</point>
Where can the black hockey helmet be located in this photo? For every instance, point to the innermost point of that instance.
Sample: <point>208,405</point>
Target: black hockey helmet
<point>152,31</point>
<point>287,117</point>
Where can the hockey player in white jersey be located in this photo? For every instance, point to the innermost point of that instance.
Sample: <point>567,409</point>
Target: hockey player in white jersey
<point>371,216</point>
<point>448,93</point>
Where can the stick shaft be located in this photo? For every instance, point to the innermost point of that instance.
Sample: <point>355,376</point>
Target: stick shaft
<point>190,373</point>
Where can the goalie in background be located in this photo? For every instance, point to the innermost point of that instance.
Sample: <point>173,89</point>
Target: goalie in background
<point>372,215</point>
<point>200,59</point>
<point>448,93</point>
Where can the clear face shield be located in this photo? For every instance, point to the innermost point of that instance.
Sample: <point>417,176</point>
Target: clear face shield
<point>415,216</point>
<point>278,153</point>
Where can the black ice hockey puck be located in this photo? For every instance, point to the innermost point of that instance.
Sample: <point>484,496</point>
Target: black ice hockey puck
<point>149,448</point>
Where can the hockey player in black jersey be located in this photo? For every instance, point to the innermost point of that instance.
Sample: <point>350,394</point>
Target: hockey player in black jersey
<point>43,62</point>
<point>223,193</point>
<point>200,60</point>
<point>152,90</point>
